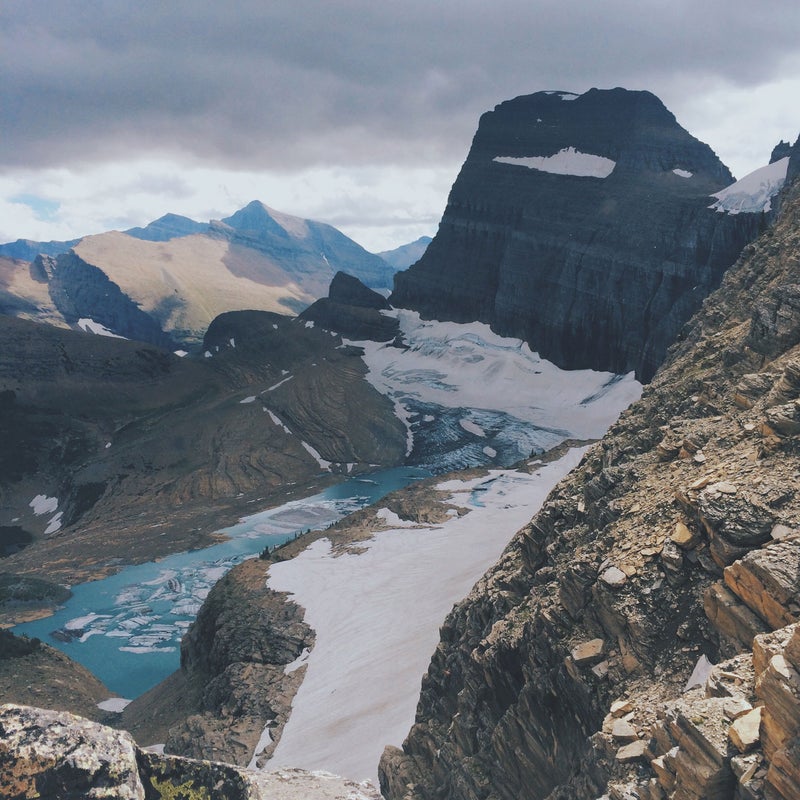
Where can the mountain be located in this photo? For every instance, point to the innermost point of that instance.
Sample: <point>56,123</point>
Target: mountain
<point>582,664</point>
<point>166,282</point>
<point>580,223</point>
<point>353,310</point>
<point>170,226</point>
<point>407,254</point>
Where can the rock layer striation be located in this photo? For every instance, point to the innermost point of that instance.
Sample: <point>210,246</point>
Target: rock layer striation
<point>581,224</point>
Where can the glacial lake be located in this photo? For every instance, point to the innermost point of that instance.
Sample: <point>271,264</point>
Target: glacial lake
<point>127,628</point>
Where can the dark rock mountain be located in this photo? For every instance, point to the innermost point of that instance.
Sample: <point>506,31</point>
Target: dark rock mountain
<point>353,310</point>
<point>567,672</point>
<point>591,271</point>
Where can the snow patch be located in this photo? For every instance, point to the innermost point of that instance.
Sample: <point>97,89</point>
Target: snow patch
<point>263,742</point>
<point>207,354</point>
<point>568,161</point>
<point>54,524</point>
<point>279,383</point>
<point>683,173</point>
<point>326,465</point>
<point>753,193</point>
<point>232,342</point>
<point>42,504</point>
<point>377,613</point>
<point>702,669</point>
<point>391,520</point>
<point>309,323</point>
<point>90,326</point>
<point>490,451</point>
<point>277,421</point>
<point>300,661</point>
<point>115,704</point>
<point>250,399</point>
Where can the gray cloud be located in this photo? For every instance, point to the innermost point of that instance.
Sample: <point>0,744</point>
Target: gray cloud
<point>280,85</point>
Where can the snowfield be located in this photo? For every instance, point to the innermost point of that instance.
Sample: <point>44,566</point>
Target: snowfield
<point>568,161</point>
<point>755,191</point>
<point>377,614</point>
<point>461,388</point>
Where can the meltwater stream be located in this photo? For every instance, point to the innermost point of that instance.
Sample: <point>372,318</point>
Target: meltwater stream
<point>127,628</point>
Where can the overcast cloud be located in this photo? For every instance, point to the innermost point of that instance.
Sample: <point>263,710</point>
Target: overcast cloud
<point>359,113</point>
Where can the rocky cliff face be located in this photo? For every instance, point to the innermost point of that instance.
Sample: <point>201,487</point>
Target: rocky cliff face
<point>80,290</point>
<point>674,544</point>
<point>581,225</point>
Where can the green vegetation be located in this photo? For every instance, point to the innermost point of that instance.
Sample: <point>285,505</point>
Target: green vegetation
<point>24,589</point>
<point>12,646</point>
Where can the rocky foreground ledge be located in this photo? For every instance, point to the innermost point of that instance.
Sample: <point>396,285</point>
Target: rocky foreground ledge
<point>51,754</point>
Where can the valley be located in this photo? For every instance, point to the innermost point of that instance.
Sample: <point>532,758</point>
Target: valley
<point>552,547</point>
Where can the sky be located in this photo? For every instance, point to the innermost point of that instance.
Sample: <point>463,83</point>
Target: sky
<point>352,112</point>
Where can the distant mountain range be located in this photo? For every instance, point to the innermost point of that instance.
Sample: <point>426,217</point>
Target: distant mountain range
<point>164,283</point>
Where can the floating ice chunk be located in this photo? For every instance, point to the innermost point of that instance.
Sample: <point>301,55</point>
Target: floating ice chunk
<point>78,623</point>
<point>471,427</point>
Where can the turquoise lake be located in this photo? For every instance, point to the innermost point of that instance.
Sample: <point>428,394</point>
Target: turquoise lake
<point>127,628</point>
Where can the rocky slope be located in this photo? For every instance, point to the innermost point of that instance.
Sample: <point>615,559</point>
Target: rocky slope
<point>117,450</point>
<point>562,675</point>
<point>233,682</point>
<point>581,225</point>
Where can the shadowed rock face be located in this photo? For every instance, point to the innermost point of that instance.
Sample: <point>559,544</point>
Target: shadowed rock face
<point>675,539</point>
<point>597,272</point>
<point>353,310</point>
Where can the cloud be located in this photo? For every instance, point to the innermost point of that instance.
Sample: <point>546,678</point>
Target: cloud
<point>122,111</point>
<point>282,85</point>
